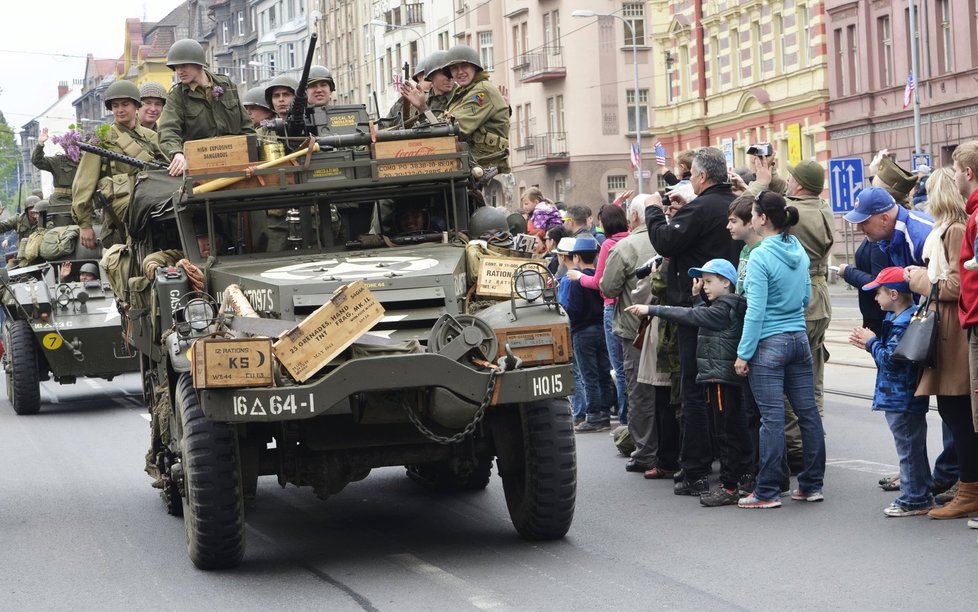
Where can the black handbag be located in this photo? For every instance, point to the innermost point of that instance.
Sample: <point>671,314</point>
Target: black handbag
<point>919,342</point>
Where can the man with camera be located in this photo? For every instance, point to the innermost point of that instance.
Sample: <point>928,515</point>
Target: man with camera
<point>695,234</point>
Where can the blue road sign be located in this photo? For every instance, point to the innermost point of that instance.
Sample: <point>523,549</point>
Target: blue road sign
<point>846,178</point>
<point>920,159</point>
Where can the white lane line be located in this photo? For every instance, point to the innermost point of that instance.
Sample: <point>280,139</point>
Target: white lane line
<point>478,597</point>
<point>859,465</point>
<point>145,415</point>
<point>91,382</point>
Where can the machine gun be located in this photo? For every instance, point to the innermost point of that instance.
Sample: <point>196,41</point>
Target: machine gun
<point>360,139</point>
<point>119,157</point>
<point>295,122</point>
<point>405,103</point>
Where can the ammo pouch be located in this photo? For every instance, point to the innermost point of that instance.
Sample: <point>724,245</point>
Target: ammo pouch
<point>117,190</point>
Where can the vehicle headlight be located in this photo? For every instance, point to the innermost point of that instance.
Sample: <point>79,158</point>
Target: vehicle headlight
<point>199,313</point>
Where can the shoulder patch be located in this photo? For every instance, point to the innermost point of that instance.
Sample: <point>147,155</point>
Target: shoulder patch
<point>479,98</point>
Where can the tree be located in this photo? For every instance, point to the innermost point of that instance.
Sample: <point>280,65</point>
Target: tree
<point>10,157</point>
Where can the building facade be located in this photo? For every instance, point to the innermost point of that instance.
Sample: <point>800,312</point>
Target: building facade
<point>231,41</point>
<point>869,44</point>
<point>56,118</point>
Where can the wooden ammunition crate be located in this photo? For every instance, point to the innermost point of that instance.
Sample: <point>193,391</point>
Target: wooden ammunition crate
<point>220,152</point>
<point>232,362</point>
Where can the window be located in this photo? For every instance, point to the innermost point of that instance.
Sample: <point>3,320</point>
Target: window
<point>779,43</point>
<point>634,14</point>
<point>290,55</point>
<point>290,6</point>
<point>272,22</point>
<point>271,64</point>
<point>224,32</point>
<point>555,114</point>
<point>805,26</point>
<point>551,31</point>
<point>443,43</point>
<point>243,72</point>
<point>947,46</point>
<point>643,108</point>
<point>852,63</point>
<point>241,24</point>
<point>683,74</point>
<point>519,126</point>
<point>485,50</point>
<point>616,184</point>
<point>884,34</point>
<point>714,64</point>
<point>254,21</point>
<point>735,57</point>
<point>527,122</point>
<point>755,51</point>
<point>254,67</point>
<point>558,190</point>
<point>840,54</point>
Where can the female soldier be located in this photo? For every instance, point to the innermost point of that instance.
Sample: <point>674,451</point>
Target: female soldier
<point>201,105</point>
<point>113,179</point>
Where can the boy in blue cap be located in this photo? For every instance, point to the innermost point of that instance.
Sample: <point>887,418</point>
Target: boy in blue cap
<point>896,382</point>
<point>720,319</point>
<point>585,309</point>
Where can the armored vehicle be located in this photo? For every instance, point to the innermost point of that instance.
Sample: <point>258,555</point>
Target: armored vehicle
<point>60,325</point>
<point>246,343</point>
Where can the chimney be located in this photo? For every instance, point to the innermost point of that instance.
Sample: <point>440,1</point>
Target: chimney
<point>62,89</point>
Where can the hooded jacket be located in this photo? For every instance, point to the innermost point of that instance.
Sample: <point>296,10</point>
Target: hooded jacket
<point>720,324</point>
<point>778,289</point>
<point>968,302</point>
<point>895,380</point>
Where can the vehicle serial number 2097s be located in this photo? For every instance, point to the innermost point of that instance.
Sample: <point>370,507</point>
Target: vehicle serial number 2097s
<point>274,405</point>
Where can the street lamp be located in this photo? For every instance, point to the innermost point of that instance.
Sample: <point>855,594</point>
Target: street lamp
<point>631,28</point>
<point>380,23</point>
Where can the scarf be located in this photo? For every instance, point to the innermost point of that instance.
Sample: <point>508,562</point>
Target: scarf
<point>934,255</point>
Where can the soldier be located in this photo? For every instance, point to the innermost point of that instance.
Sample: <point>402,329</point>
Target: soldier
<point>153,97</point>
<point>113,179</point>
<point>478,109</point>
<point>88,272</point>
<point>320,86</point>
<point>201,105</point>
<point>410,92</point>
<point>23,224</point>
<point>61,167</point>
<point>258,108</point>
<point>280,93</point>
<point>26,254</point>
<point>435,91</point>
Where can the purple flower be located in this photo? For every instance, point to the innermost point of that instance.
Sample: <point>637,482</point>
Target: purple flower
<point>217,92</point>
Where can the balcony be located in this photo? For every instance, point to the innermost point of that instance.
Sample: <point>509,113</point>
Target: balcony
<point>547,149</point>
<point>541,66</point>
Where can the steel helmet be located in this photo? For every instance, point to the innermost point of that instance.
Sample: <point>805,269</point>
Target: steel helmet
<point>41,206</point>
<point>434,63</point>
<point>462,54</point>
<point>488,220</point>
<point>321,73</point>
<point>185,51</point>
<point>280,81</point>
<point>419,69</point>
<point>255,97</point>
<point>122,90</point>
<point>31,201</point>
<point>89,268</point>
<point>152,89</point>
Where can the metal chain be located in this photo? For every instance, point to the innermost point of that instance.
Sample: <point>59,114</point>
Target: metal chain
<point>479,415</point>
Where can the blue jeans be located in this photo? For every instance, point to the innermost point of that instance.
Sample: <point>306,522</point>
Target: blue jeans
<point>579,399</point>
<point>910,435</point>
<point>618,363</point>
<point>591,357</point>
<point>946,465</point>
<point>782,365</point>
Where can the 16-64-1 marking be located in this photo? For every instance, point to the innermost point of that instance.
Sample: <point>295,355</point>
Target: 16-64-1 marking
<point>275,405</point>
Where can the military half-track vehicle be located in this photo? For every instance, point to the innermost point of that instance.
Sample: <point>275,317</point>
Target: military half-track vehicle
<point>436,385</point>
<point>60,328</point>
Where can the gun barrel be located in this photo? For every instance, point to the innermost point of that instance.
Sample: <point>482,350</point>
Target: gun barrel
<point>359,139</point>
<point>119,157</point>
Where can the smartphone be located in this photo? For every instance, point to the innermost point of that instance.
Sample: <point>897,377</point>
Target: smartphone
<point>763,149</point>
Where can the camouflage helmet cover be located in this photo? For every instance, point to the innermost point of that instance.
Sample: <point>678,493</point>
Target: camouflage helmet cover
<point>122,90</point>
<point>152,89</point>
<point>185,51</point>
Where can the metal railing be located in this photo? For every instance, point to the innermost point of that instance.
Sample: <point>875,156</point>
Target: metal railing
<point>550,146</point>
<point>541,61</point>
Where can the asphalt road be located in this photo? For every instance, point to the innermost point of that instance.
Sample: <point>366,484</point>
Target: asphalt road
<point>81,529</point>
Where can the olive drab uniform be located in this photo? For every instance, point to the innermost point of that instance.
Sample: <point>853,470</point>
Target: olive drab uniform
<point>115,180</point>
<point>437,103</point>
<point>482,115</point>
<point>62,168</point>
<point>194,112</point>
<point>23,226</point>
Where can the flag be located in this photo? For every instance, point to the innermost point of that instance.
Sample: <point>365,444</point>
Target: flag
<point>660,154</point>
<point>908,91</point>
<point>398,80</point>
<point>636,156</point>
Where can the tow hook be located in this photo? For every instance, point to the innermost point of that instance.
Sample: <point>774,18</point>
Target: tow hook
<point>509,361</point>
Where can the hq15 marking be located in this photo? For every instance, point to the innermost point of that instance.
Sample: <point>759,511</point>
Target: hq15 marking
<point>276,405</point>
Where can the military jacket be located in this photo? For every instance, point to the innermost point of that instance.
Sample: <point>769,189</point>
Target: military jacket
<point>61,167</point>
<point>482,116</point>
<point>194,113</point>
<point>23,226</point>
<point>113,179</point>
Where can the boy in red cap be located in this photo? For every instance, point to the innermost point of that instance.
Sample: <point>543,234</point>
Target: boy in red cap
<point>894,394</point>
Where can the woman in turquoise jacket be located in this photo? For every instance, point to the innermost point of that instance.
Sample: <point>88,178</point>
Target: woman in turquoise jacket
<point>774,352</point>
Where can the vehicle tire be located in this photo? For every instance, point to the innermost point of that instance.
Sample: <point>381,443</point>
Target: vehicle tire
<point>23,378</point>
<point>444,477</point>
<point>538,467</point>
<point>213,509</point>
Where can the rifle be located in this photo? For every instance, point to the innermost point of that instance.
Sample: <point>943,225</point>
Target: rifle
<point>295,120</point>
<point>405,103</point>
<point>119,157</point>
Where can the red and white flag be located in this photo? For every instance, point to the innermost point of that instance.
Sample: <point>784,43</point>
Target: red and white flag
<point>636,156</point>
<point>908,91</point>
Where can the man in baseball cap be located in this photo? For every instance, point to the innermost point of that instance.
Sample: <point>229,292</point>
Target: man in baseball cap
<point>899,232</point>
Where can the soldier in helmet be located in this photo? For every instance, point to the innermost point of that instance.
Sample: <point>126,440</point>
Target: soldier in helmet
<point>280,93</point>
<point>435,90</point>
<point>37,216</point>
<point>260,110</point>
<point>320,86</point>
<point>113,179</point>
<point>24,224</point>
<point>419,85</point>
<point>61,167</point>
<point>153,97</point>
<point>87,273</point>
<point>201,105</point>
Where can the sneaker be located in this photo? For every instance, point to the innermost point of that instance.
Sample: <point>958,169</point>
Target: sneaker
<point>578,422</point>
<point>940,486</point>
<point>658,473</point>
<point>753,501</point>
<point>590,427</point>
<point>635,466</point>
<point>887,479</point>
<point>808,496</point>
<point>948,495</point>
<point>897,510</point>
<point>745,485</point>
<point>973,523</point>
<point>893,484</point>
<point>720,497</point>
<point>696,487</point>
<point>679,476</point>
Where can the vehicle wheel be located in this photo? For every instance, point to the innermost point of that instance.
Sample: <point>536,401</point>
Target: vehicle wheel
<point>213,510</point>
<point>446,476</point>
<point>538,464</point>
<point>23,379</point>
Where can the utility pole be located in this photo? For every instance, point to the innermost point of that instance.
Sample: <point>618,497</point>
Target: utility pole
<point>914,63</point>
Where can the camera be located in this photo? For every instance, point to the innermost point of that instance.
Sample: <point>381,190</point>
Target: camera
<point>763,149</point>
<point>646,268</point>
